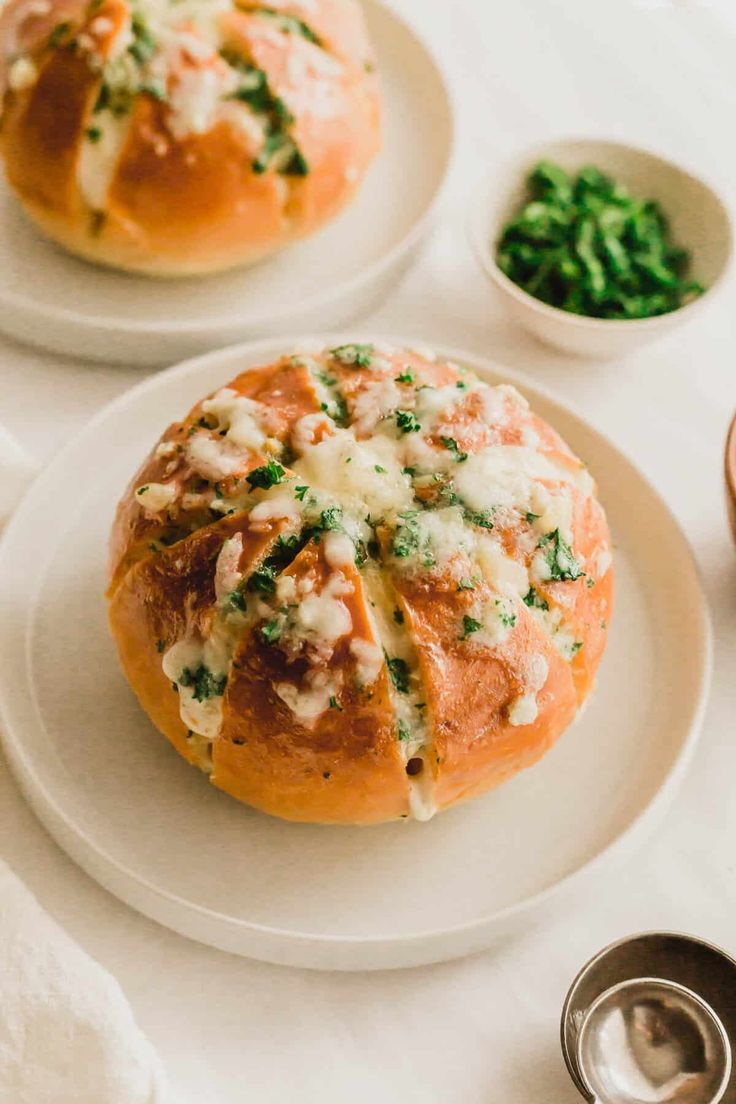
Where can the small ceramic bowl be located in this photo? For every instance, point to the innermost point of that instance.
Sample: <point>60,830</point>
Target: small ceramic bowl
<point>731,476</point>
<point>700,220</point>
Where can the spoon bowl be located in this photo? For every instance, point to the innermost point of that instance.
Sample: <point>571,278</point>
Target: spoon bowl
<point>650,1041</point>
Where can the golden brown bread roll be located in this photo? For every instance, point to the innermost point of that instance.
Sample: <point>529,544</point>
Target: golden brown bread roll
<point>360,584</point>
<point>176,137</point>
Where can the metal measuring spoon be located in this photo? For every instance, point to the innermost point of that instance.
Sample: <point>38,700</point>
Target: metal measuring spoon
<point>650,1041</point>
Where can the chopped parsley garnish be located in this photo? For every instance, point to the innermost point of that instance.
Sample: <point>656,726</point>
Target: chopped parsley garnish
<point>507,619</point>
<point>266,476</point>
<point>379,470</point>
<point>160,645</point>
<point>466,584</point>
<point>279,150</point>
<point>143,45</point>
<point>411,472</point>
<point>590,583</point>
<point>93,134</point>
<point>331,518</point>
<point>407,376</point>
<point>253,88</point>
<point>356,356</point>
<point>116,100</point>
<point>470,625</point>
<point>301,492</point>
<point>482,518</point>
<point>235,601</point>
<point>534,600</point>
<point>398,616</point>
<point>271,632</point>
<point>285,549</point>
<point>337,410</point>
<point>156,91</point>
<point>59,34</point>
<point>403,732</point>
<point>461,385</point>
<point>406,421</point>
<point>451,444</point>
<point>289,24</point>
<point>334,704</point>
<point>585,244</point>
<point>328,381</point>
<point>399,671</point>
<point>361,553</point>
<point>531,518</point>
<point>407,536</point>
<point>559,558</point>
<point>203,682</point>
<point>575,648</point>
<point>142,490</point>
<point>263,579</point>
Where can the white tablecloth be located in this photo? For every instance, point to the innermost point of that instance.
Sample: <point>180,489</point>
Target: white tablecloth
<point>482,1031</point>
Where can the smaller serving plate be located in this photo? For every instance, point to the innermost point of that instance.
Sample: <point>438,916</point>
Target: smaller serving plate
<point>51,299</point>
<point>151,829</point>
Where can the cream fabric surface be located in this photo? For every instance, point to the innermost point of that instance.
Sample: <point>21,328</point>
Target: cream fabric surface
<point>483,1030</point>
<point>67,1034</point>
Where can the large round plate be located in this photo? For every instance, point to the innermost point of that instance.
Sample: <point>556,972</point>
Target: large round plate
<point>51,299</point>
<point>150,828</point>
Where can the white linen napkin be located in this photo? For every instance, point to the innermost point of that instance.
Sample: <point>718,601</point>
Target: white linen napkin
<point>17,469</point>
<point>67,1033</point>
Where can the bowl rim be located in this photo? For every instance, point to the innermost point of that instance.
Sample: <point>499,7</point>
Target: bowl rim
<point>485,255</point>
<point>675,987</point>
<point>730,459</point>
<point>569,1045</point>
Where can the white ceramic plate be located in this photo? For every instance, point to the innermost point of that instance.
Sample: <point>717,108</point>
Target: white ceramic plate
<point>51,299</point>
<point>149,827</point>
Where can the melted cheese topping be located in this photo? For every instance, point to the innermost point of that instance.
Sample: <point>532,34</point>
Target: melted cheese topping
<point>201,714</point>
<point>155,497</point>
<point>310,700</point>
<point>22,74</point>
<point>525,710</point>
<point>364,477</point>
<point>487,517</point>
<point>245,421</point>
<point>227,573</point>
<point>213,459</point>
<point>98,159</point>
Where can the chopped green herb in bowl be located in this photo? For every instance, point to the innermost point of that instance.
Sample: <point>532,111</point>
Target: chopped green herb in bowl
<point>584,243</point>
<point>598,247</point>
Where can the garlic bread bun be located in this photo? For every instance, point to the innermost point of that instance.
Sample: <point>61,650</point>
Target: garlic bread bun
<point>180,137</point>
<point>360,584</point>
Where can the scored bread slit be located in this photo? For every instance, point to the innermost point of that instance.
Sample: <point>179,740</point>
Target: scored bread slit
<point>417,749</point>
<point>99,157</point>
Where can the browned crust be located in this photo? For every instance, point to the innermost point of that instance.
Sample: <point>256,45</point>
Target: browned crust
<point>347,769</point>
<point>288,392</point>
<point>193,205</point>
